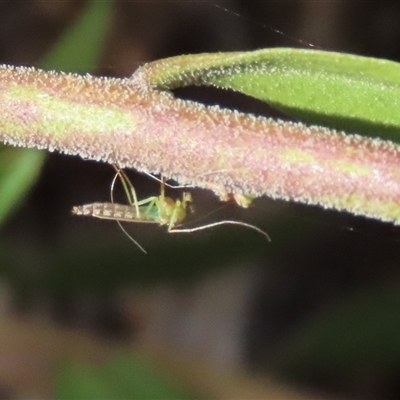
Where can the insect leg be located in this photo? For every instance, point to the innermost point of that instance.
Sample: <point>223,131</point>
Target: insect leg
<point>225,222</point>
<point>128,188</point>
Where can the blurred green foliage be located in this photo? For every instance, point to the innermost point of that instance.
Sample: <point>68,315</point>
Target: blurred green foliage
<point>120,378</point>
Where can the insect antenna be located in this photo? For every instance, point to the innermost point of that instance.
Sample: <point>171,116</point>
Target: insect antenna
<point>163,182</point>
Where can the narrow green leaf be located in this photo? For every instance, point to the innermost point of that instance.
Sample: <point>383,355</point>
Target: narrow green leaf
<point>79,49</point>
<point>341,91</point>
<point>19,169</point>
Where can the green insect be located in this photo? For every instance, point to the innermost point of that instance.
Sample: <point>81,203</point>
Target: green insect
<point>161,210</point>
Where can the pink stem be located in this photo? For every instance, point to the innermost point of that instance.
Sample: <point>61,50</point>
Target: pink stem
<point>122,122</point>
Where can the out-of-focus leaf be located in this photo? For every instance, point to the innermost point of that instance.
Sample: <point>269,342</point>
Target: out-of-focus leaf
<point>82,382</point>
<point>121,378</point>
<point>19,169</point>
<point>78,49</point>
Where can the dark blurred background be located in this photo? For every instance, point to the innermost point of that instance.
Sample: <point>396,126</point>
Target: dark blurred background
<point>318,308</point>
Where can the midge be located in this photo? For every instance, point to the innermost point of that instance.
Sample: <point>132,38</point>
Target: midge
<point>161,210</point>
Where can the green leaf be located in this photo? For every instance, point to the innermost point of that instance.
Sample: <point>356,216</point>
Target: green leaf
<point>81,382</point>
<point>19,169</point>
<point>120,378</point>
<point>341,91</point>
<point>79,48</point>
<point>136,380</point>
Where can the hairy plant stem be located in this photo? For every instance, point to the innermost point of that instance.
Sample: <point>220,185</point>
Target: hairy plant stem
<point>122,121</point>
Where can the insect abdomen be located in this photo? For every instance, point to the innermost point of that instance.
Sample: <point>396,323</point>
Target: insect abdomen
<point>107,211</point>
